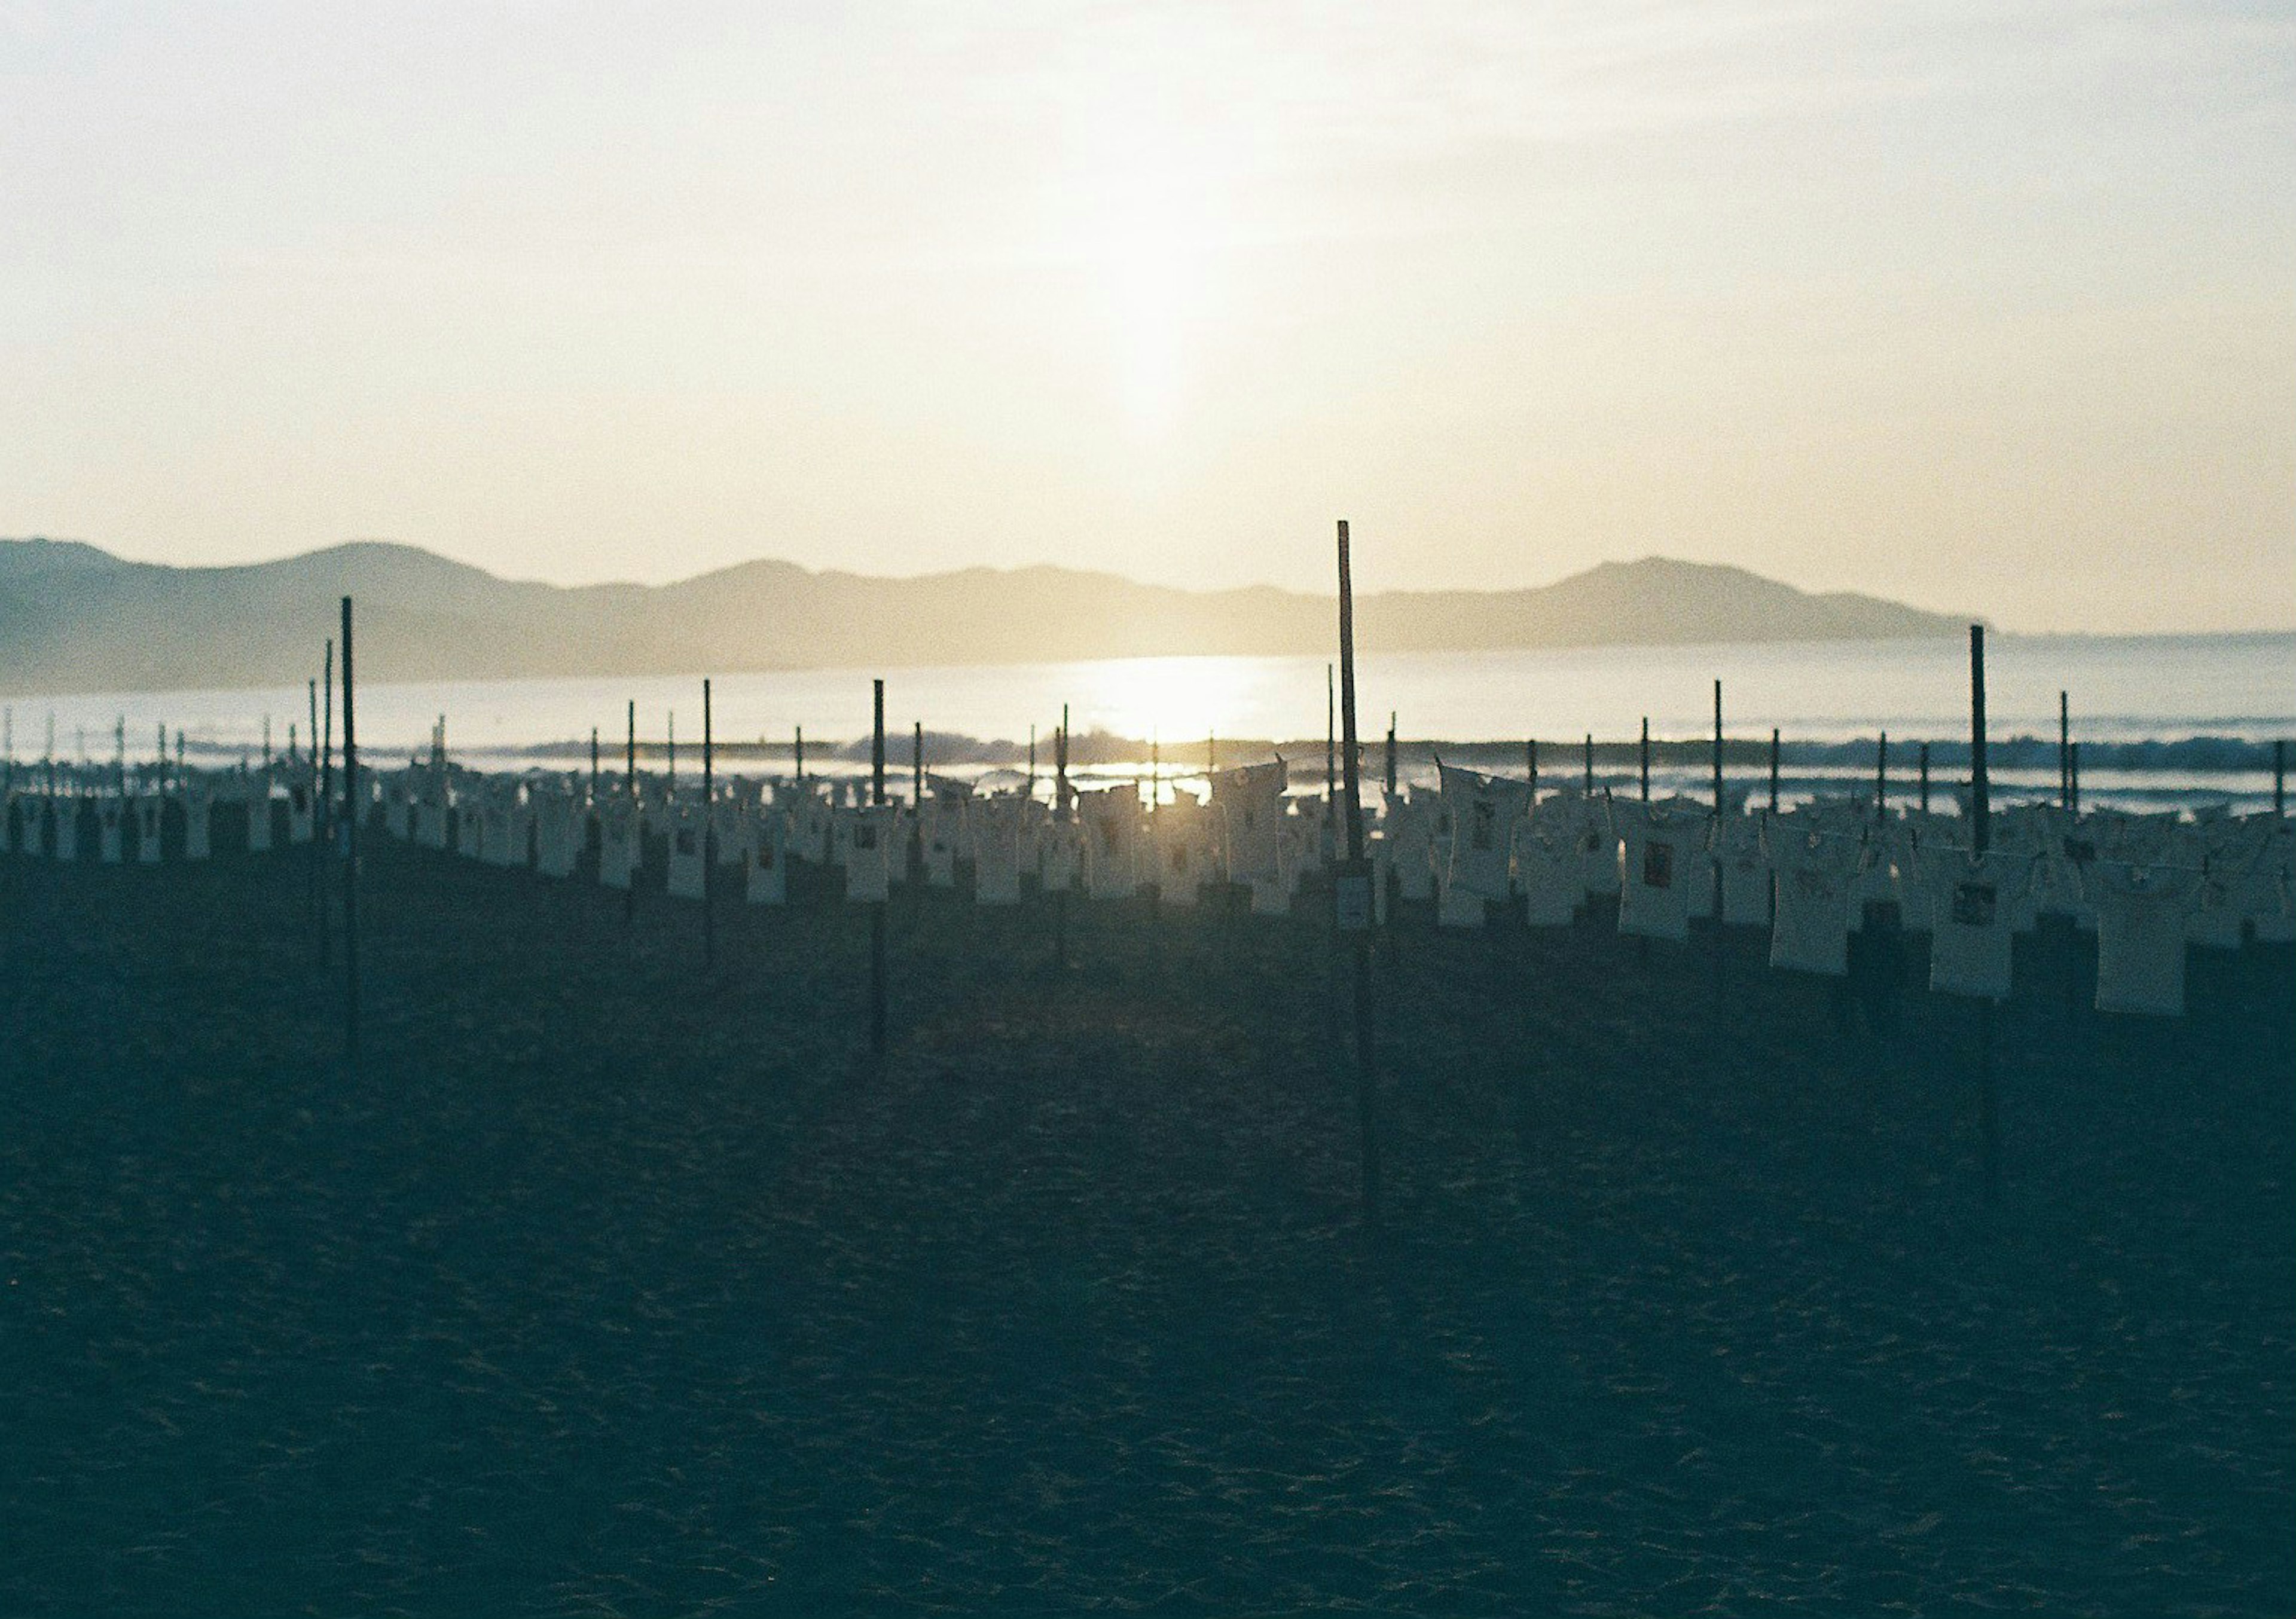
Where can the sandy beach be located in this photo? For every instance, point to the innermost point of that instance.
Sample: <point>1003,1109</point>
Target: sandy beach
<point>604,1286</point>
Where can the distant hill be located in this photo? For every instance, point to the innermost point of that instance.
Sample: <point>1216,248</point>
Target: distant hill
<point>77,618</point>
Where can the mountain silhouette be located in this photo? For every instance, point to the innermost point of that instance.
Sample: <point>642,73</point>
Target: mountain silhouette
<point>74,617</point>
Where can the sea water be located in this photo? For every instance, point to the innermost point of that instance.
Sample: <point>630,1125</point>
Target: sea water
<point>2208,706</point>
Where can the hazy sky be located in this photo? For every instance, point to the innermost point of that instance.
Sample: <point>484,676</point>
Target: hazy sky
<point>1989,307</point>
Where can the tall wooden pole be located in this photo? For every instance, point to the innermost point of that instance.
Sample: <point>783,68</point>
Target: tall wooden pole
<point>800,756</point>
<point>349,849</point>
<point>1925,779</point>
<point>637,826</point>
<point>1774,770</point>
<point>877,909</point>
<point>1645,758</point>
<point>1590,764</point>
<point>1531,767</point>
<point>708,834</point>
<point>1353,899</point>
<point>1391,755</point>
<point>1981,834</point>
<point>1882,774</point>
<point>326,829</point>
<point>2065,749</point>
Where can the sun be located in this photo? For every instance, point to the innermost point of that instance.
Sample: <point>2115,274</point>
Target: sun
<point>1155,245</point>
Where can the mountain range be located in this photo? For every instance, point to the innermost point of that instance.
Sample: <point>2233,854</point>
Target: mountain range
<point>74,617</point>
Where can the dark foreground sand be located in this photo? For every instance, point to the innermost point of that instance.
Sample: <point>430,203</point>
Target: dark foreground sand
<point>603,1288</point>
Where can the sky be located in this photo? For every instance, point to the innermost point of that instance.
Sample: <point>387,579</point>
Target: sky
<point>1988,309</point>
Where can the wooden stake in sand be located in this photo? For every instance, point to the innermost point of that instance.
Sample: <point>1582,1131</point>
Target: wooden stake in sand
<point>1352,898</point>
<point>2064,751</point>
<point>1060,818</point>
<point>709,835</point>
<point>1718,831</point>
<point>630,792</point>
<point>877,909</point>
<point>348,850</point>
<point>326,806</point>
<point>1980,838</point>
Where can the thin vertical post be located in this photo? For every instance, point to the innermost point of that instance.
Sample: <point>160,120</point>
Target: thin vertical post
<point>1774,770</point>
<point>916,764</point>
<point>1032,766</point>
<point>1391,755</point>
<point>800,756</point>
<point>708,834</point>
<point>1981,797</point>
<point>1981,786</point>
<point>318,820</point>
<point>1882,774</point>
<point>1925,758</point>
<point>2280,777</point>
<point>1354,895</point>
<point>326,829</point>
<point>670,758</point>
<point>1717,754</point>
<point>637,826</point>
<point>1061,765</point>
<point>1331,733</point>
<point>1590,764</point>
<point>877,909</point>
<point>349,849</point>
<point>1645,758</point>
<point>594,765</point>
<point>2065,749</point>
<point>1531,767</point>
<point>1060,818</point>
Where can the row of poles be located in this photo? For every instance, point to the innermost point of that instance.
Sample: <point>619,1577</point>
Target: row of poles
<point>1352,895</point>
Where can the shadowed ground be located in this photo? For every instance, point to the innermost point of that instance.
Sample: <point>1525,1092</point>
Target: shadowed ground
<point>605,1288</point>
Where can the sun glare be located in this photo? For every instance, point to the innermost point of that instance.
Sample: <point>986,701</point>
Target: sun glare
<point>1171,698</point>
<point>1155,244</point>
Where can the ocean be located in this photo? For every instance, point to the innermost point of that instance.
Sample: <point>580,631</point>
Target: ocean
<point>2159,717</point>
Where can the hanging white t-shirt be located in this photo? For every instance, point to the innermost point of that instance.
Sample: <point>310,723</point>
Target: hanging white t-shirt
<point>1484,812</point>
<point>1411,847</point>
<point>1814,871</point>
<point>1250,805</point>
<point>871,838</point>
<point>764,837</point>
<point>1547,869</point>
<point>148,810</point>
<point>2140,937</point>
<point>557,842</point>
<point>1973,902</point>
<point>198,830</point>
<point>620,844</point>
<point>2212,918</point>
<point>688,874</point>
<point>1110,820</point>
<point>994,825</point>
<point>1180,836</point>
<point>1662,855</point>
<point>1745,872</point>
